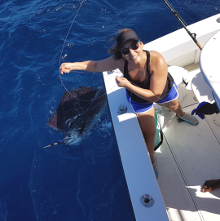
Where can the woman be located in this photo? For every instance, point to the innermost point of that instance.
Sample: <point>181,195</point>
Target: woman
<point>146,80</point>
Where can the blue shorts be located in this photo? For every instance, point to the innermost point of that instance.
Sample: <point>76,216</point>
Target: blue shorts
<point>144,107</point>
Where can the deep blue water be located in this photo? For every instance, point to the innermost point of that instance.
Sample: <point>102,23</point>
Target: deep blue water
<point>76,183</point>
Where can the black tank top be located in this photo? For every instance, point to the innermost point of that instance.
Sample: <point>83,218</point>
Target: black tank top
<point>146,83</point>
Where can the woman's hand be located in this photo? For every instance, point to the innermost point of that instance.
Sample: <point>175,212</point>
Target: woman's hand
<point>66,68</point>
<point>122,82</point>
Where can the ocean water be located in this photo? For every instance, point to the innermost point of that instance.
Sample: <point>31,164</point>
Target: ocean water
<point>84,182</point>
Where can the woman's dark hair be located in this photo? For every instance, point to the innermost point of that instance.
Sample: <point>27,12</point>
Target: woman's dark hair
<point>114,49</point>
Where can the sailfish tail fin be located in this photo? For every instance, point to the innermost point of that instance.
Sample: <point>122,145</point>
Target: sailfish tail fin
<point>53,144</point>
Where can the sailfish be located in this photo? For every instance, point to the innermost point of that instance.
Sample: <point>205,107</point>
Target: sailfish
<point>77,114</point>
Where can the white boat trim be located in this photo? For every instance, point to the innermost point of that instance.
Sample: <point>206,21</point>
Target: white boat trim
<point>136,163</point>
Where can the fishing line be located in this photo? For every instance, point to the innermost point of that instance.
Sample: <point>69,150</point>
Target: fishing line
<point>80,3</point>
<point>61,57</point>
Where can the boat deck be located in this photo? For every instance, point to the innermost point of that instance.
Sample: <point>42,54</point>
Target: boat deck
<point>188,157</point>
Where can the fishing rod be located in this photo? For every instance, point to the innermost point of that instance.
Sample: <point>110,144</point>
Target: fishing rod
<point>192,35</point>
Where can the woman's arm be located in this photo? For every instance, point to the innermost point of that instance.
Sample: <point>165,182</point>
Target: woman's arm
<point>92,66</point>
<point>159,72</point>
<point>158,69</point>
<point>143,93</point>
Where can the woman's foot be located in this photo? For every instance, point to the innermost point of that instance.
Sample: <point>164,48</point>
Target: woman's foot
<point>189,119</point>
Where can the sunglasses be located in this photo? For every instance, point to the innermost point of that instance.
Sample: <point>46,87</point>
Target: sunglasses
<point>134,46</point>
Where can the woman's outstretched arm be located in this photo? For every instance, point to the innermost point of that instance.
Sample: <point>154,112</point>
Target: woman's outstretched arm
<point>92,66</point>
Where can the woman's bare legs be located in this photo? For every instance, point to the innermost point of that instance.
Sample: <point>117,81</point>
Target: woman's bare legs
<point>148,128</point>
<point>175,107</point>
